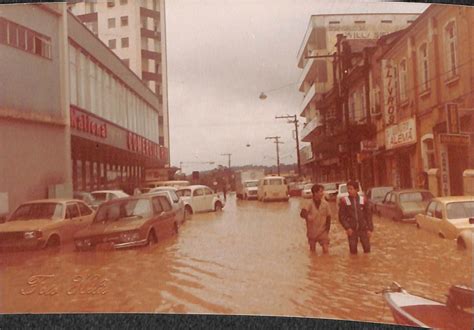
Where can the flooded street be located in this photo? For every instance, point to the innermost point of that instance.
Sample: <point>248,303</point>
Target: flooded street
<point>251,258</point>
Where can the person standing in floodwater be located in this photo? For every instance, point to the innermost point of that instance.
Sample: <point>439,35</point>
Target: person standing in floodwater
<point>318,219</point>
<point>354,216</point>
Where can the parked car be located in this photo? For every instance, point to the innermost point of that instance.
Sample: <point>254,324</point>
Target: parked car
<point>306,193</point>
<point>129,222</point>
<point>44,223</point>
<point>295,188</point>
<point>249,189</point>
<point>84,196</point>
<point>342,192</point>
<point>405,204</point>
<point>101,196</point>
<point>448,216</point>
<point>200,198</point>
<point>177,202</point>
<point>272,188</point>
<point>376,196</point>
<point>330,190</point>
<point>465,239</point>
<point>155,184</point>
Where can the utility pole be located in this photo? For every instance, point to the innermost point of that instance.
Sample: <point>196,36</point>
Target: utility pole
<point>294,121</point>
<point>277,148</point>
<point>228,157</point>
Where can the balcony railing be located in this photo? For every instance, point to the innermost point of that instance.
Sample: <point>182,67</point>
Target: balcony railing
<point>308,97</point>
<point>145,12</point>
<point>150,34</point>
<point>306,155</point>
<point>151,55</point>
<point>309,65</point>
<point>309,129</point>
<point>151,76</point>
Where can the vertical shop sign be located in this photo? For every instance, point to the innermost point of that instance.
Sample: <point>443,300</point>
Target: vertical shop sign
<point>389,92</point>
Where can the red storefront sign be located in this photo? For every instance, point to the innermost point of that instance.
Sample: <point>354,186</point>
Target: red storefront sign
<point>88,124</point>
<point>141,145</point>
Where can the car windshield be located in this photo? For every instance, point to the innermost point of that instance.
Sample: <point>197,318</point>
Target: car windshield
<point>124,210</point>
<point>381,192</point>
<point>100,196</point>
<point>183,192</point>
<point>251,184</point>
<point>308,186</point>
<point>275,182</point>
<point>51,211</point>
<point>418,196</point>
<point>460,210</point>
<point>343,188</point>
<point>329,186</point>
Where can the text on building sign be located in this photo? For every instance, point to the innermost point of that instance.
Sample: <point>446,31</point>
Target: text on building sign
<point>85,123</point>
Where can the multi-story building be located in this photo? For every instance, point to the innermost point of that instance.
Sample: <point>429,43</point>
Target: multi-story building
<point>73,116</point>
<point>403,106</point>
<point>316,58</point>
<point>135,31</point>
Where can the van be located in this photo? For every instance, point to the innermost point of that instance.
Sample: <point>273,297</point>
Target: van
<point>155,184</point>
<point>272,188</point>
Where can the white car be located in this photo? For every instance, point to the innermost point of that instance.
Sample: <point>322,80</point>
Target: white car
<point>306,192</point>
<point>342,192</point>
<point>101,196</point>
<point>176,202</point>
<point>330,190</point>
<point>199,198</point>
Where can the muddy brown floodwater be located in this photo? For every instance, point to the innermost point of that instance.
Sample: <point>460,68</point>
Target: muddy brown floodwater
<point>251,258</point>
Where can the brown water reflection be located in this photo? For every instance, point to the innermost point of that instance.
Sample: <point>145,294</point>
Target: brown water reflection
<point>250,259</point>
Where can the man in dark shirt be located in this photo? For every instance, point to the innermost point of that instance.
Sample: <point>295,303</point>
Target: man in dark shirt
<point>354,216</point>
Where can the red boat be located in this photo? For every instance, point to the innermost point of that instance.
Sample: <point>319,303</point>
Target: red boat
<point>414,310</point>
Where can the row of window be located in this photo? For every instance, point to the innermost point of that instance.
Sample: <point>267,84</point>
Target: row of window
<point>111,22</point>
<point>25,39</point>
<point>124,43</point>
<point>385,21</point>
<point>111,3</point>
<point>98,91</point>
<point>450,63</point>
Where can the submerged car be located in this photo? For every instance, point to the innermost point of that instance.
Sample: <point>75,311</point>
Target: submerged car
<point>405,204</point>
<point>448,216</point>
<point>306,193</point>
<point>101,196</point>
<point>200,198</point>
<point>177,202</point>
<point>376,196</point>
<point>330,190</point>
<point>129,222</point>
<point>44,223</point>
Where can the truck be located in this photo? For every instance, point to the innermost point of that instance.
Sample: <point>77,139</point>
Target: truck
<point>246,183</point>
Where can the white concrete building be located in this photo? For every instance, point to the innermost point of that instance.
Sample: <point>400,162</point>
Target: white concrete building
<point>135,31</point>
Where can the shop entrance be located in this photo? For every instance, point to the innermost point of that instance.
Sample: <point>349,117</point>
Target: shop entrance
<point>458,162</point>
<point>404,170</point>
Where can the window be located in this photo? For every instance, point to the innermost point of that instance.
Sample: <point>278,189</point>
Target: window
<point>72,211</point>
<point>165,203</point>
<point>84,209</point>
<point>359,22</point>
<point>386,21</point>
<point>450,40</point>
<point>111,3</point>
<point>430,210</point>
<point>208,191</point>
<point>123,2</point>
<point>157,208</point>
<point>124,21</point>
<point>124,42</point>
<point>198,192</point>
<point>174,197</point>
<point>403,81</point>
<point>112,43</point>
<point>438,211</point>
<point>424,69</point>
<point>460,210</point>
<point>111,23</point>
<point>428,152</point>
<point>334,22</point>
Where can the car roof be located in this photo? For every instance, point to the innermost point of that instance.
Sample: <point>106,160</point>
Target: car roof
<point>273,177</point>
<point>382,187</point>
<point>108,191</point>
<point>194,186</point>
<point>401,191</point>
<point>53,200</point>
<point>449,199</point>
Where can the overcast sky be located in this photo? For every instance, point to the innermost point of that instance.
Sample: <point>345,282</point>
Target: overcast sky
<point>221,55</point>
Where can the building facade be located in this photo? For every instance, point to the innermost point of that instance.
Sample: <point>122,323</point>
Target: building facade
<point>73,116</point>
<point>403,106</point>
<point>136,32</point>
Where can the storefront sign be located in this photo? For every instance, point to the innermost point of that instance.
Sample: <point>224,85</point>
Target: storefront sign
<point>400,135</point>
<point>389,92</point>
<point>368,145</point>
<point>445,185</point>
<point>139,144</point>
<point>457,139</point>
<point>453,118</point>
<point>88,124</point>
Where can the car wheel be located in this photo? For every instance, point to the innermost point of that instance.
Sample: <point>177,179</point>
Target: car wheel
<point>151,238</point>
<point>218,207</point>
<point>53,242</point>
<point>461,244</point>
<point>188,212</point>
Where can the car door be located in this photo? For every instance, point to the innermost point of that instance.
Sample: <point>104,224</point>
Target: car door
<point>209,199</point>
<point>72,223</point>
<point>426,220</point>
<point>86,215</point>
<point>198,200</point>
<point>167,217</point>
<point>385,206</point>
<point>438,220</point>
<point>158,218</point>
